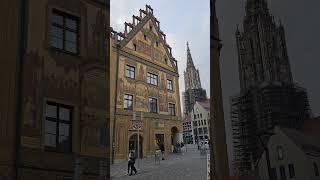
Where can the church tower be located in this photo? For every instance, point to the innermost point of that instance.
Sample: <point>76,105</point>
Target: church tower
<point>268,95</point>
<point>193,91</point>
<point>191,75</point>
<point>262,50</point>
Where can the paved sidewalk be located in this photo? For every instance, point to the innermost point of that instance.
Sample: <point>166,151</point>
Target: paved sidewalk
<point>175,165</point>
<point>143,165</point>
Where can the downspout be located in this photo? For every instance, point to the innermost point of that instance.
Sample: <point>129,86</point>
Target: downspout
<point>19,80</point>
<point>115,106</point>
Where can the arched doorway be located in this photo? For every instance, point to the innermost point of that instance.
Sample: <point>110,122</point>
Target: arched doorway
<point>133,144</point>
<point>174,135</point>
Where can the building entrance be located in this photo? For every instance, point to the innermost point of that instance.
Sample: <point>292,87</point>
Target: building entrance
<point>133,144</point>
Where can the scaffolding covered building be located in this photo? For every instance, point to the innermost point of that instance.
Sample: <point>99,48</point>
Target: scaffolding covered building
<point>268,95</point>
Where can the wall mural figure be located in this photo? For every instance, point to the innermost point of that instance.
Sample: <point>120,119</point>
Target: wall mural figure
<point>141,73</point>
<point>162,101</point>
<point>120,92</point>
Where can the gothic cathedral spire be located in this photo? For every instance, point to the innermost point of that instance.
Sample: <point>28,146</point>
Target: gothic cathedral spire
<point>262,51</point>
<point>191,75</point>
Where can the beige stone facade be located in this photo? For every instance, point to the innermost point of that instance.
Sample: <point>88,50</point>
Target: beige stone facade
<point>143,47</point>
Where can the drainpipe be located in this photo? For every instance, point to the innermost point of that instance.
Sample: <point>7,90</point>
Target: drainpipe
<point>19,80</point>
<point>115,106</point>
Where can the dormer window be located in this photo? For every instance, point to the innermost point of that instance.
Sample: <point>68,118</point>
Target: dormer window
<point>150,28</point>
<point>157,44</point>
<point>145,37</point>
<point>166,60</point>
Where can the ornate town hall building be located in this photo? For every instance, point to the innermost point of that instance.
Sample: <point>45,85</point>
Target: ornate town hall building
<point>145,77</point>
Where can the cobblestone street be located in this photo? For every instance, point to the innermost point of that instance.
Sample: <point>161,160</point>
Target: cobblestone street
<point>188,165</point>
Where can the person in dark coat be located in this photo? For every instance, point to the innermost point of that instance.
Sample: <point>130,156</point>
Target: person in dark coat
<point>131,162</point>
<point>162,150</point>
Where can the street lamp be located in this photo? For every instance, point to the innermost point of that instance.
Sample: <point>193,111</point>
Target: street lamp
<point>266,149</point>
<point>137,124</point>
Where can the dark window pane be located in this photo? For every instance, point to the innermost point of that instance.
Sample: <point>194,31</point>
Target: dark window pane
<point>64,114</point>
<point>72,24</point>
<point>169,85</point>
<point>291,171</point>
<point>71,36</point>
<point>51,111</point>
<point>50,127</point>
<point>200,130</point>
<point>56,42</point>
<point>55,130</point>
<point>63,129</point>
<point>50,140</point>
<point>61,32</point>
<point>153,105</point>
<point>63,139</point>
<point>56,32</point>
<point>282,173</point>
<point>205,130</point>
<point>274,174</point>
<point>64,144</point>
<point>71,47</point>
<point>57,19</point>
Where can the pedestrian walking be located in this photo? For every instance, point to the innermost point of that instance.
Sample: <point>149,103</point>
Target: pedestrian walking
<point>131,162</point>
<point>162,150</point>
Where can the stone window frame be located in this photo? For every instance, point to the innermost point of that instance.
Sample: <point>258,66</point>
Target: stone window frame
<point>152,78</point>
<point>134,71</point>
<point>169,86</point>
<point>173,106</point>
<point>59,121</point>
<point>128,100</point>
<point>77,30</point>
<point>149,105</point>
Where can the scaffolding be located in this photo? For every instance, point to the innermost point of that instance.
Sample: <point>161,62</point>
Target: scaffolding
<point>259,110</point>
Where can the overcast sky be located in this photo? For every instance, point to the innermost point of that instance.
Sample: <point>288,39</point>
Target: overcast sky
<point>302,26</point>
<point>181,21</point>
